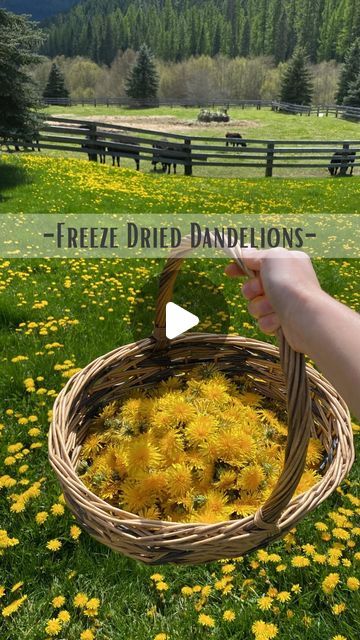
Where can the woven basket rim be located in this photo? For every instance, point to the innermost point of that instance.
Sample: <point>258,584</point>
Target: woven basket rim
<point>102,506</point>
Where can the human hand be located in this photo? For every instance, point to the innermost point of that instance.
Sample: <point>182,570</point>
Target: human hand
<point>279,294</point>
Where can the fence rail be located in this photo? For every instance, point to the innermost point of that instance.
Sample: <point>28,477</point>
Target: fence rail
<point>320,110</point>
<point>99,141</point>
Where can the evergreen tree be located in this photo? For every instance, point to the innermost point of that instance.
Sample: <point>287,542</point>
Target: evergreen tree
<point>143,82</point>
<point>296,84</point>
<point>55,86</point>
<point>350,71</point>
<point>19,98</point>
<point>352,98</point>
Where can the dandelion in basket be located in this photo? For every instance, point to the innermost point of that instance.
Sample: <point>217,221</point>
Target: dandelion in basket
<point>197,448</point>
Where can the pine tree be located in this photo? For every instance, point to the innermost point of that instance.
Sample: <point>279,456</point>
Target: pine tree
<point>296,84</point>
<point>350,71</point>
<point>19,98</point>
<point>352,98</point>
<point>55,86</point>
<point>143,82</point>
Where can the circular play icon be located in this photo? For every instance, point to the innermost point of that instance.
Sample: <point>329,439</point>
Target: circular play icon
<point>198,301</point>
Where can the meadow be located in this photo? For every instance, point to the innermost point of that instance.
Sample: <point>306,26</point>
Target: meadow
<point>253,124</point>
<point>55,317</point>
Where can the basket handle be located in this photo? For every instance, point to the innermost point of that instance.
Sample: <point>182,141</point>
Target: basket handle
<point>297,392</point>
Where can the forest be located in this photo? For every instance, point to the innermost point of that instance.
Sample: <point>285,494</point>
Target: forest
<point>176,30</point>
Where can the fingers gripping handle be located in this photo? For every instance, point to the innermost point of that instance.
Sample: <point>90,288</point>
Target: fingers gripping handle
<point>168,279</point>
<point>297,392</point>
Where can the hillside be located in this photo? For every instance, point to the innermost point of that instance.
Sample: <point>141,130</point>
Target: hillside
<point>38,9</point>
<point>178,29</point>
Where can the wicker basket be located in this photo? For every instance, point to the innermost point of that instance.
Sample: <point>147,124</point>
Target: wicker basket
<point>314,409</point>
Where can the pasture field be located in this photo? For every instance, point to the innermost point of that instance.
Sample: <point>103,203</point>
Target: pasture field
<point>36,183</point>
<point>55,317</point>
<point>251,123</point>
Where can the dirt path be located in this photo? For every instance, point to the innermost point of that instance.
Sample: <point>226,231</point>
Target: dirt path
<point>168,124</point>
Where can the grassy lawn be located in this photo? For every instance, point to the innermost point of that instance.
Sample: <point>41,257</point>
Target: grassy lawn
<point>264,124</point>
<point>55,317</point>
<point>36,183</point>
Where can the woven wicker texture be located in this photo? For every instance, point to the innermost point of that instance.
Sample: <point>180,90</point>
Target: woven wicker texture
<point>314,409</point>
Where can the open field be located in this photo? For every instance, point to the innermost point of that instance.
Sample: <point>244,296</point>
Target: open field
<point>251,123</point>
<point>35,183</point>
<point>56,316</point>
<point>264,124</point>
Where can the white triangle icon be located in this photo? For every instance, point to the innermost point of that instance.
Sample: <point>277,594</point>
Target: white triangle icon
<point>178,320</point>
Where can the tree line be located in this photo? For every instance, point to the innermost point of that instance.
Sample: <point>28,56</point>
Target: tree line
<point>199,79</point>
<point>178,29</point>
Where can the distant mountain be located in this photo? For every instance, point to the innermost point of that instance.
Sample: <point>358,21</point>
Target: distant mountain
<point>38,9</point>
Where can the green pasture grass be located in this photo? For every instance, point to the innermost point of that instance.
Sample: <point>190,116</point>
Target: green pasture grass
<point>108,316</point>
<point>263,124</point>
<point>112,303</point>
<point>37,183</point>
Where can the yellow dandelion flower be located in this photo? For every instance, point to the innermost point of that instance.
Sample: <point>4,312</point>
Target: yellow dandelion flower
<point>265,603</point>
<point>142,454</point>
<point>338,609</point>
<point>162,586</point>
<point>64,616</point>
<point>300,562</point>
<point>200,428</point>
<point>227,480</point>
<point>353,583</point>
<point>251,478</point>
<point>80,600</point>
<point>187,591</point>
<point>315,452</point>
<point>75,532</point>
<point>284,596</point>
<point>58,602</point>
<point>216,508</point>
<point>264,630</point>
<point>330,582</point>
<point>179,481</point>
<point>87,635</point>
<point>161,636</point>
<point>171,447</point>
<point>13,606</point>
<point>206,621</point>
<point>54,545</point>
<point>53,627</point>
<point>229,615</point>
<point>57,510</point>
<point>41,517</point>
<point>157,577</point>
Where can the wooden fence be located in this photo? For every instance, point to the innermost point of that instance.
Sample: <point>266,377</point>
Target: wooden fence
<point>100,141</point>
<point>318,110</point>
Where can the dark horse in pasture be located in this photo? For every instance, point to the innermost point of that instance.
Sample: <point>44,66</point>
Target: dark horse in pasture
<point>341,161</point>
<point>235,139</point>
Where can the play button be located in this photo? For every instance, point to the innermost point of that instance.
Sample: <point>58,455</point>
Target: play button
<point>178,320</point>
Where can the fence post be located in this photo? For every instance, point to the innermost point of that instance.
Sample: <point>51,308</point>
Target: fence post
<point>344,161</point>
<point>269,160</point>
<point>92,138</point>
<point>188,165</point>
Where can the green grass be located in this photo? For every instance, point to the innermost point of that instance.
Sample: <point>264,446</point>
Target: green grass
<point>36,183</point>
<point>264,124</point>
<point>40,300</point>
<point>105,319</point>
